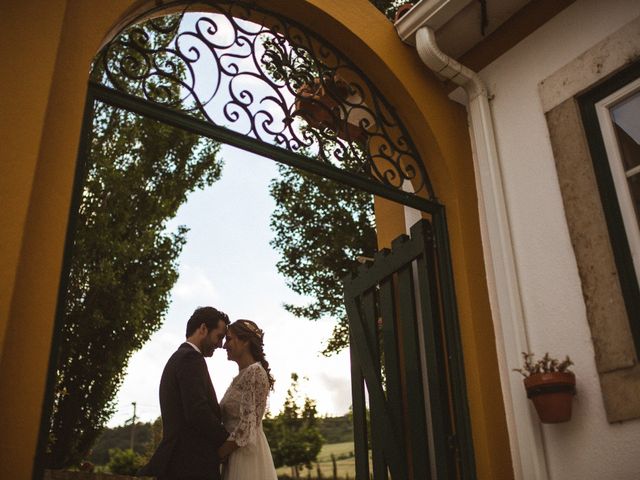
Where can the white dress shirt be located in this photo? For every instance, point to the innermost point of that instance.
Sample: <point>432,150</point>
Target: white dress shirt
<point>197,349</point>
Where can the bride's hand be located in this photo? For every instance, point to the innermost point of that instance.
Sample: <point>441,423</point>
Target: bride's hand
<point>226,449</point>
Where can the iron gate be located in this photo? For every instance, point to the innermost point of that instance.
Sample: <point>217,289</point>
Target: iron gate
<point>356,138</point>
<point>405,351</point>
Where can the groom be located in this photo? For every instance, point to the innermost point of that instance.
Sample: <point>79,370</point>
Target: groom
<point>192,430</point>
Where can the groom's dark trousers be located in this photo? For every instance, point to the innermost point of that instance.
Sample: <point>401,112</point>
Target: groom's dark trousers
<point>192,429</point>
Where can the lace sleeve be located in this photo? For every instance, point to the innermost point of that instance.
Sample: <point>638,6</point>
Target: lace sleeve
<point>254,389</point>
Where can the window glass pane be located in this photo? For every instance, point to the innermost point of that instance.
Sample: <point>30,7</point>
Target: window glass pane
<point>626,118</point>
<point>634,190</point>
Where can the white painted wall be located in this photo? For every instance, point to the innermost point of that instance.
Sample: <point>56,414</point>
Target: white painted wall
<point>588,447</point>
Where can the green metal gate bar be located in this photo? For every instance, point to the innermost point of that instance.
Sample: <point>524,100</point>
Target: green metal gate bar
<point>402,319</point>
<point>187,122</point>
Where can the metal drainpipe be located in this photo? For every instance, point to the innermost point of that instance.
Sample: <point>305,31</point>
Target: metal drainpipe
<point>525,436</point>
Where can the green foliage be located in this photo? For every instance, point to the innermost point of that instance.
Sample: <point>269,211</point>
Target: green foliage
<point>146,438</point>
<point>336,429</point>
<point>124,462</point>
<point>155,437</point>
<point>546,364</point>
<point>293,434</point>
<point>123,264</point>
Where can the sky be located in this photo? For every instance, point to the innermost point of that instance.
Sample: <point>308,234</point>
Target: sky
<point>228,263</point>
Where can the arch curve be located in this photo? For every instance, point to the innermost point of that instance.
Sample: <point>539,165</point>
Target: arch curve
<point>269,80</point>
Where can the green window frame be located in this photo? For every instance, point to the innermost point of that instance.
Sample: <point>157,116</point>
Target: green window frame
<point>609,194</point>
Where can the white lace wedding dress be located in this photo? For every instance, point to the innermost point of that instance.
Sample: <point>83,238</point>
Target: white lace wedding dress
<point>243,407</point>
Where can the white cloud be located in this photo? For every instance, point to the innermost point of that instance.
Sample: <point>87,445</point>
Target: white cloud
<point>194,285</point>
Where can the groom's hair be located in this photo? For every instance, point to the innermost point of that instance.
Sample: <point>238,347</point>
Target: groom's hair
<point>207,315</point>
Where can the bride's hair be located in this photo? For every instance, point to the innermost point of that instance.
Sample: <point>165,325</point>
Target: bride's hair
<point>248,330</point>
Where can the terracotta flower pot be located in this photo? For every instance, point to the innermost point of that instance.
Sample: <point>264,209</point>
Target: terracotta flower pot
<point>402,10</point>
<point>319,104</point>
<point>552,395</point>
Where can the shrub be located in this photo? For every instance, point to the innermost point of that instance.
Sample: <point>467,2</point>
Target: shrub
<point>124,462</point>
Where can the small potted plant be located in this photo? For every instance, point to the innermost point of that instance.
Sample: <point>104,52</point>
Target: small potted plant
<point>402,10</point>
<point>322,104</point>
<point>319,102</point>
<point>550,385</point>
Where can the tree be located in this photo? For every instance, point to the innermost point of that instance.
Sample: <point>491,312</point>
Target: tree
<point>156,437</point>
<point>320,226</point>
<point>293,435</point>
<point>123,263</point>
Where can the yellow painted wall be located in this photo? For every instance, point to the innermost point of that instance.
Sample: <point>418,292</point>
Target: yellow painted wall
<point>389,221</point>
<point>45,93</point>
<point>50,45</point>
<point>25,86</point>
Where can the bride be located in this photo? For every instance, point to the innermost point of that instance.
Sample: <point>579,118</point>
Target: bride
<point>243,406</point>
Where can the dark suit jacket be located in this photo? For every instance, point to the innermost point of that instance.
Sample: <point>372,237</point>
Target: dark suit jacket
<point>192,430</point>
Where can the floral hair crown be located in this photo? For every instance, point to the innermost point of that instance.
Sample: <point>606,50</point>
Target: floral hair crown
<point>252,327</point>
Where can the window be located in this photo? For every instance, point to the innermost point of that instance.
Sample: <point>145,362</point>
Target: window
<point>590,111</point>
<point>611,116</point>
<point>619,117</point>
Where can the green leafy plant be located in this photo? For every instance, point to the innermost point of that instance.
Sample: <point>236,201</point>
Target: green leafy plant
<point>546,364</point>
<point>124,462</point>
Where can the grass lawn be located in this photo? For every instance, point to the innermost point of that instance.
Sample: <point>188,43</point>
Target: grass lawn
<point>346,466</point>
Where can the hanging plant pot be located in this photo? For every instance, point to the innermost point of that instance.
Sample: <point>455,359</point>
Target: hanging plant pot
<point>402,10</point>
<point>552,395</point>
<point>319,103</point>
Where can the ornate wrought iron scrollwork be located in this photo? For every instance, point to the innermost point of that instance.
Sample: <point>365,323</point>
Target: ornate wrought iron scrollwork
<point>266,77</point>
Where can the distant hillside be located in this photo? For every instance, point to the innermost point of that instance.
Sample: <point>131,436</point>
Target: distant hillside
<point>336,429</point>
<point>333,430</point>
<point>120,437</point>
